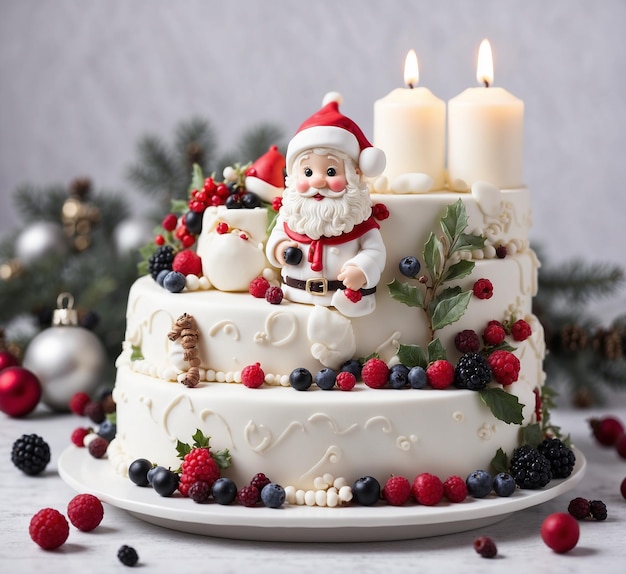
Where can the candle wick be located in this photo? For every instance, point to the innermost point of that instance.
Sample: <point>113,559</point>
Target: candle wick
<point>411,85</point>
<point>486,82</point>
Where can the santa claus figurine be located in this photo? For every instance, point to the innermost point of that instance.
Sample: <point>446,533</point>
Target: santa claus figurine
<point>325,239</point>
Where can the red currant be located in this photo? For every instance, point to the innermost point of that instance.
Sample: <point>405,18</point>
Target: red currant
<point>560,531</point>
<point>188,241</point>
<point>202,197</point>
<point>222,190</point>
<point>209,185</point>
<point>222,227</point>
<point>181,231</point>
<point>169,222</point>
<point>197,206</point>
<point>159,240</point>
<point>216,200</point>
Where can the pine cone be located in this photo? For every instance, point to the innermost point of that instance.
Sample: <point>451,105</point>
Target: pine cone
<point>80,187</point>
<point>573,338</point>
<point>195,153</point>
<point>608,343</point>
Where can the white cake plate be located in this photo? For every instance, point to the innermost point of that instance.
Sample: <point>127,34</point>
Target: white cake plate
<point>296,523</point>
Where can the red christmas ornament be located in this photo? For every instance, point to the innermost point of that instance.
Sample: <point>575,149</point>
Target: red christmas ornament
<point>20,391</point>
<point>7,360</point>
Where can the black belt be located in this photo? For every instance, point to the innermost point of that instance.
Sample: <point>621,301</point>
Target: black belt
<point>321,286</point>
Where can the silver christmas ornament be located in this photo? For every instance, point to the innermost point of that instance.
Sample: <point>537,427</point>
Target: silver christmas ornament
<point>66,358</point>
<point>131,234</point>
<point>39,240</point>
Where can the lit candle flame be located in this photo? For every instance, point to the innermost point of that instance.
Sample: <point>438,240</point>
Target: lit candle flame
<point>484,69</point>
<point>411,69</point>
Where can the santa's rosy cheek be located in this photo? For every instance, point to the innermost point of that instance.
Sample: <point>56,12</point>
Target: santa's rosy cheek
<point>336,184</point>
<point>302,185</point>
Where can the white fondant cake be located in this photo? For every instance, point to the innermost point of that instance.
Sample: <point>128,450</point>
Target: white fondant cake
<point>296,436</point>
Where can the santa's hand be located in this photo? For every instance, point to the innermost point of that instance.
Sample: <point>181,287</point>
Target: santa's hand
<point>352,277</point>
<point>281,249</point>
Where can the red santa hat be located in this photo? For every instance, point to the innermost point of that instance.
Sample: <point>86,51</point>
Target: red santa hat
<point>329,128</point>
<point>266,176</point>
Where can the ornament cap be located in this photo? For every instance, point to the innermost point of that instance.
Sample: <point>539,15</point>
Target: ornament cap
<point>65,314</point>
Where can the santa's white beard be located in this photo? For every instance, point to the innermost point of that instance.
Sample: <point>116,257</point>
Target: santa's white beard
<point>328,217</point>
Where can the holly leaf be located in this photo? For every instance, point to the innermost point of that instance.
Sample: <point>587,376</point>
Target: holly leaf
<point>532,435</point>
<point>458,270</point>
<point>412,356</point>
<point>436,351</point>
<point>408,294</point>
<point>467,242</point>
<point>179,206</point>
<point>503,405</point>
<point>200,440</point>
<point>454,222</point>
<point>222,458</point>
<point>197,178</point>
<point>449,307</point>
<point>433,255</point>
<point>500,462</point>
<point>182,449</point>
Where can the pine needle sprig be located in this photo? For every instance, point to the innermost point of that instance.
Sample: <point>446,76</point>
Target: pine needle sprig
<point>39,204</point>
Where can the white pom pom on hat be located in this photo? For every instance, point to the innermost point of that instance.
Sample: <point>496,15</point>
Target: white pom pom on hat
<point>329,128</point>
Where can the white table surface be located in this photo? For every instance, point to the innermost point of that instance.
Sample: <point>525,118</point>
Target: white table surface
<point>601,548</point>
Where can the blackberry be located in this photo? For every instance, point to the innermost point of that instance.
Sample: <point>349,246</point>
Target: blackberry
<point>530,468</point>
<point>127,555</point>
<point>598,509</point>
<point>579,508</point>
<point>472,372</point>
<point>31,454</point>
<point>200,491</point>
<point>160,260</point>
<point>561,457</point>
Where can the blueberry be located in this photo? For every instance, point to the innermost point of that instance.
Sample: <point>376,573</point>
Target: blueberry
<point>138,471</point>
<point>107,430</point>
<point>224,490</point>
<point>161,276</point>
<point>325,379</point>
<point>174,282</point>
<point>366,490</point>
<point>164,481</point>
<point>293,255</point>
<point>250,200</point>
<point>479,483</point>
<point>409,266</point>
<point>233,202</point>
<point>504,484</point>
<point>398,376</point>
<point>300,379</point>
<point>273,495</point>
<point>193,221</point>
<point>417,377</point>
<point>353,366</point>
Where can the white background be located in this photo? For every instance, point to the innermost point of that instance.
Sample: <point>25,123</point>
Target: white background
<point>81,82</point>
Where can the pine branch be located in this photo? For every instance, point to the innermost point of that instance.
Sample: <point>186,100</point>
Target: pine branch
<point>195,143</point>
<point>35,204</point>
<point>257,140</point>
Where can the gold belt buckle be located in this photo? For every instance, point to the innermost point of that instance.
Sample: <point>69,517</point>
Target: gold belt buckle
<point>322,281</point>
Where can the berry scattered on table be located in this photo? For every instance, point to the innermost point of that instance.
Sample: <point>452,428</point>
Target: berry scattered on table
<point>397,490</point>
<point>479,483</point>
<point>31,454</point>
<point>579,508</point>
<point>366,490</point>
<point>597,508</point>
<point>485,546</point>
<point>607,429</point>
<point>127,555</point>
<point>622,488</point>
<point>427,489</point>
<point>49,528</point>
<point>375,373</point>
<point>273,495</point>
<point>78,402</point>
<point>560,531</point>
<point>530,468</point>
<point>85,512</point>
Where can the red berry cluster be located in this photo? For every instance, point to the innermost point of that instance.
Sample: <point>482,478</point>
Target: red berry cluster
<point>99,412</point>
<point>426,489</point>
<point>261,289</point>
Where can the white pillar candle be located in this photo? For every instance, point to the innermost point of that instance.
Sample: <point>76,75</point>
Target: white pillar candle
<point>485,133</point>
<point>410,127</point>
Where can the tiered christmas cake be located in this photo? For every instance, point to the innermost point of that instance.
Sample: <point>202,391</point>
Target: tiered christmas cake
<point>333,324</point>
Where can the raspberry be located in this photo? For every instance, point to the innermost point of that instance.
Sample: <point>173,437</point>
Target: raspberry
<point>198,464</point>
<point>169,222</point>
<point>127,555</point>
<point>579,508</point>
<point>505,366</point>
<point>485,546</point>
<point>274,295</point>
<point>199,491</point>
<point>85,512</point>
<point>345,381</point>
<point>472,372</point>
<point>375,373</point>
<point>440,374</point>
<point>253,376</point>
<point>258,287</point>
<point>49,528</point>
<point>98,447</point>
<point>483,289</point>
<point>561,457</point>
<point>188,263</point>
<point>467,341</point>
<point>427,489</point>
<point>353,296</point>
<point>530,468</point>
<point>397,490</point>
<point>455,489</point>
<point>248,495</point>
<point>78,436</point>
<point>597,508</point>
<point>95,411</point>
<point>31,454</point>
<point>521,330</point>
<point>78,402</point>
<point>259,480</point>
<point>494,333</point>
